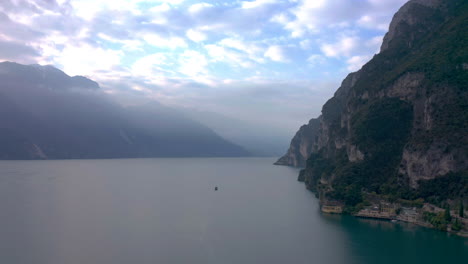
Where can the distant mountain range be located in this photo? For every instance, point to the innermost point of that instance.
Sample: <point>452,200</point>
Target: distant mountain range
<point>46,114</point>
<point>260,139</point>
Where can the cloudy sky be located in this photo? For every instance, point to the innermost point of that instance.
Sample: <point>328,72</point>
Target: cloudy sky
<point>266,61</point>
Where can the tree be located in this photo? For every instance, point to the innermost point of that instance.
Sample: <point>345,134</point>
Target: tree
<point>461,212</point>
<point>447,216</point>
<point>457,226</point>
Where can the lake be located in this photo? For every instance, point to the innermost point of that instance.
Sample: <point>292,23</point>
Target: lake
<point>166,211</point>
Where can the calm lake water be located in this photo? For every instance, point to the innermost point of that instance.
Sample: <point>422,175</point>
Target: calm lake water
<point>166,211</point>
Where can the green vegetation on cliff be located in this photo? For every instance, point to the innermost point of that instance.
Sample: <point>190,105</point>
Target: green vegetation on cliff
<point>452,186</point>
<point>411,97</point>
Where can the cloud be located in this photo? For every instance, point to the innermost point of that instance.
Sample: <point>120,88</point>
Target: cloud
<point>280,18</point>
<point>192,63</point>
<point>316,59</point>
<point>276,53</point>
<point>369,21</point>
<point>172,2</point>
<point>149,65</point>
<point>186,52</point>
<point>355,62</point>
<point>256,3</point>
<point>19,8</point>
<point>251,51</point>
<point>195,8</point>
<point>85,59</point>
<point>306,17</point>
<point>90,9</point>
<point>127,44</point>
<point>314,16</point>
<point>196,36</point>
<point>374,43</point>
<point>18,52</point>
<point>14,31</point>
<point>343,47</point>
<point>234,58</point>
<point>164,42</point>
<point>254,101</point>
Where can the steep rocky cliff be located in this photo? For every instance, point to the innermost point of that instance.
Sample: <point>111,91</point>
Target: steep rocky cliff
<point>301,145</point>
<point>401,120</point>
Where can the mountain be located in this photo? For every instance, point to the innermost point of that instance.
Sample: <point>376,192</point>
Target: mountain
<point>301,145</point>
<point>397,128</point>
<point>46,114</point>
<point>249,135</point>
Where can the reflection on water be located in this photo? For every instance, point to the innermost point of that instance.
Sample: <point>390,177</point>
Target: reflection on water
<point>381,241</point>
<point>166,211</point>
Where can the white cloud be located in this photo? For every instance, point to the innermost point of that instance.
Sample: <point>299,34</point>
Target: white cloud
<point>172,2</point>
<point>374,43</point>
<point>127,44</point>
<point>276,53</point>
<point>148,65</point>
<point>87,60</point>
<point>355,62</point>
<point>314,16</point>
<point>316,59</point>
<point>344,47</point>
<point>176,44</point>
<point>234,43</point>
<point>369,21</point>
<point>222,54</point>
<point>256,3</point>
<point>164,42</point>
<point>88,9</point>
<point>387,4</point>
<point>280,18</point>
<point>192,63</point>
<point>159,13</point>
<point>216,52</point>
<point>252,51</point>
<point>160,8</point>
<point>307,17</point>
<point>195,8</point>
<point>196,36</point>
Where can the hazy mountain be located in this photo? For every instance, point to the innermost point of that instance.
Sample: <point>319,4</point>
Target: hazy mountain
<point>301,145</point>
<point>45,113</point>
<point>256,138</point>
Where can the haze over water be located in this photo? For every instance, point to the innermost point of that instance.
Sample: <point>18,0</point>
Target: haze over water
<point>166,211</point>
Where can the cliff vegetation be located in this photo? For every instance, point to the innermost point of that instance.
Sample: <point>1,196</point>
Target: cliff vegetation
<point>397,128</point>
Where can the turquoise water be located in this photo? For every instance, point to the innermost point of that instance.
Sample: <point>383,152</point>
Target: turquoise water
<point>166,211</point>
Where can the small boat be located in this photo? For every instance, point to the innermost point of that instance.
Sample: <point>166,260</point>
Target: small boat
<point>216,188</point>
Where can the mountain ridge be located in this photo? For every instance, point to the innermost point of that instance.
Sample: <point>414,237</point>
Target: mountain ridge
<point>47,114</point>
<point>399,123</point>
<point>301,145</point>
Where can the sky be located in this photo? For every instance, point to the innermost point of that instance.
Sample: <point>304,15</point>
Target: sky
<point>272,62</point>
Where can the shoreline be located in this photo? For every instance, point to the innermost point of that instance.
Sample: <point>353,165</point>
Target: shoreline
<point>415,219</point>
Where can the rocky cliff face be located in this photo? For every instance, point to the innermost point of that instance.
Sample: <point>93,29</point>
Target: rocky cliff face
<point>301,145</point>
<point>403,117</point>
